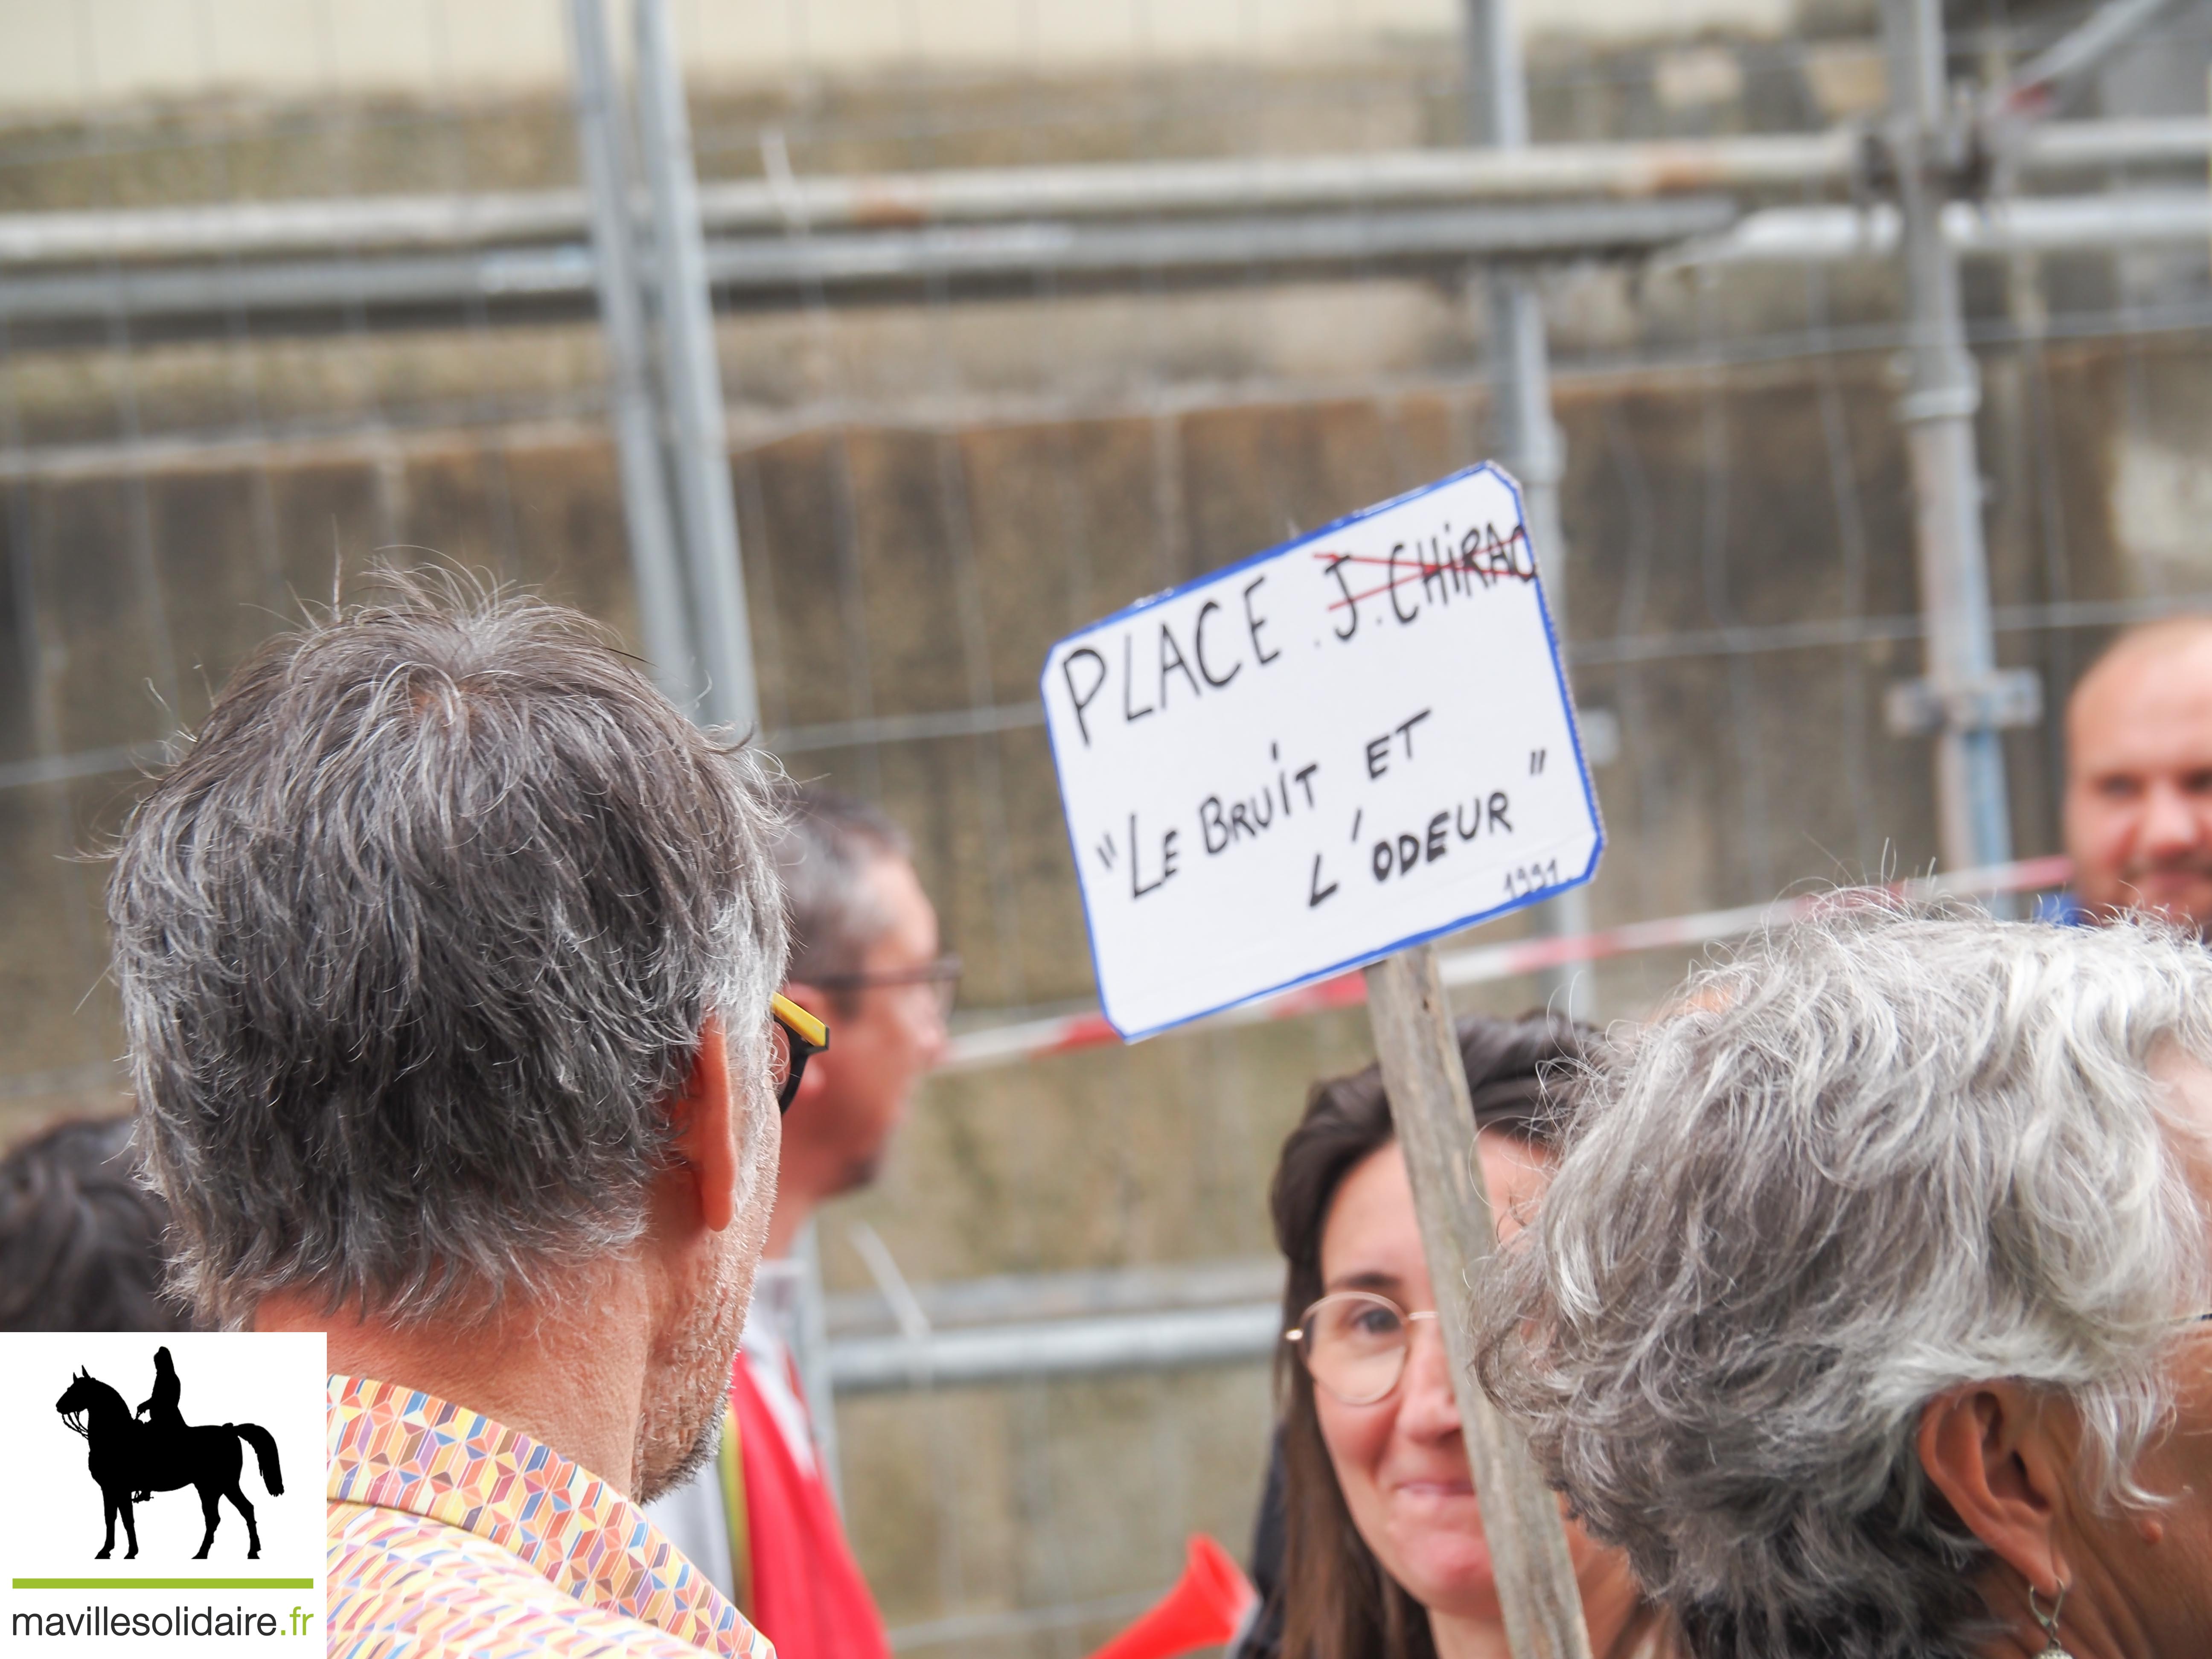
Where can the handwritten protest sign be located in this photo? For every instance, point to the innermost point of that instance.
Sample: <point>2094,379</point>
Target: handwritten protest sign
<point>1338,748</point>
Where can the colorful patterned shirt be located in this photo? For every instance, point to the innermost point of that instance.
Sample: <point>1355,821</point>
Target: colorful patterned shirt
<point>450,1534</point>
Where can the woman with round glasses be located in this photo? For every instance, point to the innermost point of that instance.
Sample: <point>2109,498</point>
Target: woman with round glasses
<point>1383,1552</point>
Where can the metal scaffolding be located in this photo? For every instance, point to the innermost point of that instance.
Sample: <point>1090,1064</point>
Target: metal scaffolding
<point>1963,702</point>
<point>681,273</point>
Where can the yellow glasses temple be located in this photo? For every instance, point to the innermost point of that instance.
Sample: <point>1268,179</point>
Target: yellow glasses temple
<point>803,1024</point>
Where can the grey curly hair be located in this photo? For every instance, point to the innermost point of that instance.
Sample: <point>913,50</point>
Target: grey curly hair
<point>1873,1157</point>
<point>415,940</point>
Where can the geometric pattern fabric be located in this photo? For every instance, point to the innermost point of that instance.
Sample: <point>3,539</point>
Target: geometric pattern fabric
<point>451,1535</point>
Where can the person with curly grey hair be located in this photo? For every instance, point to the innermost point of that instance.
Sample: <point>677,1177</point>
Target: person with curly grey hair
<point>1867,1309</point>
<point>447,952</point>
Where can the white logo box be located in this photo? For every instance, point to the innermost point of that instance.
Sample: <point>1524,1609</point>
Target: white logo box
<point>56,1596</point>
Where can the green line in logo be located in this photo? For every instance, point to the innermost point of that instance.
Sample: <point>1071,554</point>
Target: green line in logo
<point>165,1583</point>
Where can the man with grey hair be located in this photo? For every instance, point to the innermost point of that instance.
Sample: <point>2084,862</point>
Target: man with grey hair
<point>1867,1309</point>
<point>447,953</point>
<point>864,950</point>
<point>865,955</point>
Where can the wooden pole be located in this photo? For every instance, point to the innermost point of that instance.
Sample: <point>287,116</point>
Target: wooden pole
<point>1435,1120</point>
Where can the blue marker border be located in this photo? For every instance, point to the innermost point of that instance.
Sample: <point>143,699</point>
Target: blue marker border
<point>1474,918</point>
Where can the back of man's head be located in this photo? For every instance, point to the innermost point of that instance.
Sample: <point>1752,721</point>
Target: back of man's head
<point>80,1239</point>
<point>414,943</point>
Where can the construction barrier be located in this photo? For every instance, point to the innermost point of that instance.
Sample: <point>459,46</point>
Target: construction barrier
<point>1035,1039</point>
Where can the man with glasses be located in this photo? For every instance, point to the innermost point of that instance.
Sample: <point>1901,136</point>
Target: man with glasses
<point>866,956</point>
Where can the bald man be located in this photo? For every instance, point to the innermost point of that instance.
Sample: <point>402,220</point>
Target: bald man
<point>2139,776</point>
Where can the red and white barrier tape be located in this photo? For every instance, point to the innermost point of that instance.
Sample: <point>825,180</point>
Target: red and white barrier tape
<point>1004,1045</point>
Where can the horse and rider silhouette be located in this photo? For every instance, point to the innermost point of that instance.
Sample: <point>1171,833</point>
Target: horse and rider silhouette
<point>131,1459</point>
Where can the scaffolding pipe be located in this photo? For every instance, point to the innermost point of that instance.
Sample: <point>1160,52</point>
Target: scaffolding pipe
<point>781,265</point>
<point>1406,1007</point>
<point>698,448</point>
<point>1003,1299</point>
<point>653,549</point>
<point>2047,224</point>
<point>1937,412</point>
<point>692,381</point>
<point>1683,231</point>
<point>1790,162</point>
<point>1099,1346</point>
<point>1527,438</point>
<point>2074,54</point>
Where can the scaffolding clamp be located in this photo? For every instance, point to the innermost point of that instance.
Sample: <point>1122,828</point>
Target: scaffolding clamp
<point>2003,698</point>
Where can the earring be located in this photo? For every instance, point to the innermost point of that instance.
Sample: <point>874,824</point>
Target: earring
<point>2051,1650</point>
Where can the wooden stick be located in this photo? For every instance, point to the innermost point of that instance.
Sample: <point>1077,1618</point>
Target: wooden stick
<point>1435,1120</point>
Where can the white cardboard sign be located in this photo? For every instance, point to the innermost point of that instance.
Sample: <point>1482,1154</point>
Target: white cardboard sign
<point>1338,748</point>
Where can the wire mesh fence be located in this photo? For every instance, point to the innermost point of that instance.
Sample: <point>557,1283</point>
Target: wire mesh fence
<point>944,459</point>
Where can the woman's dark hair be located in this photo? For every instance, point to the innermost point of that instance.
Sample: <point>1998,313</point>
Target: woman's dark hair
<point>1337,1602</point>
<point>81,1239</point>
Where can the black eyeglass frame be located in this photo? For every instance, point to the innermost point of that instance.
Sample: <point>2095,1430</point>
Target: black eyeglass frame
<point>936,972</point>
<point>804,1035</point>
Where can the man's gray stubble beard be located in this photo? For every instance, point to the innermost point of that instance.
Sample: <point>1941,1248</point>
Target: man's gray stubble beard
<point>700,1384</point>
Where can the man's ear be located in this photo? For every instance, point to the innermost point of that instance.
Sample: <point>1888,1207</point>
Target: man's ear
<point>1989,1449</point>
<point>707,1122</point>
